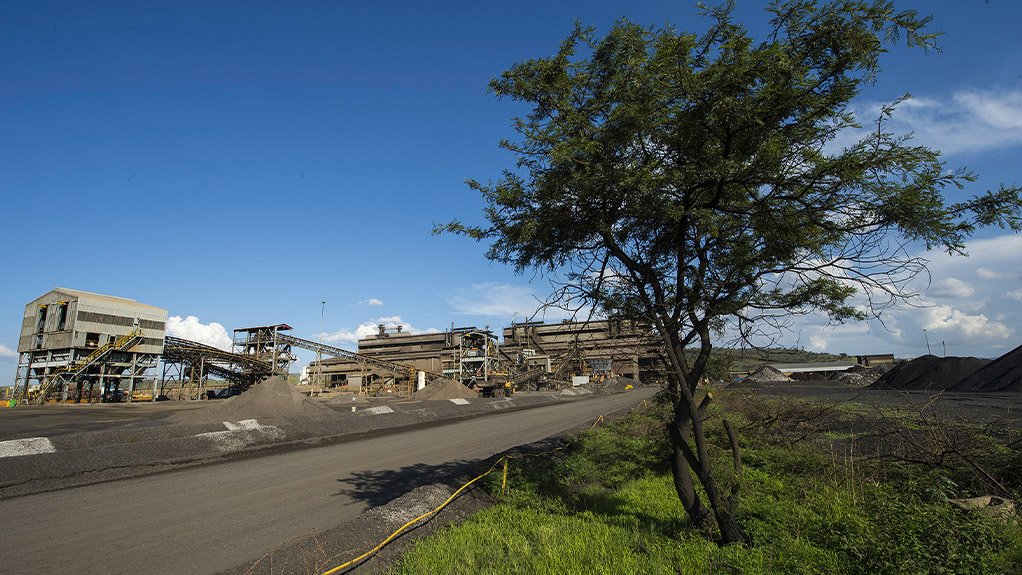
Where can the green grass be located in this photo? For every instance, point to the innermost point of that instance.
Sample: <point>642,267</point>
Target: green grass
<point>607,505</point>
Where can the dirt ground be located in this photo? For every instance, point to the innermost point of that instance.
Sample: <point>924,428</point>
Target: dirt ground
<point>974,406</point>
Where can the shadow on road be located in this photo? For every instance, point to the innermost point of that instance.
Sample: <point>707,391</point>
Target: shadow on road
<point>379,487</point>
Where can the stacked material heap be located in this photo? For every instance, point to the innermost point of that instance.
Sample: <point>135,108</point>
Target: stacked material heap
<point>930,372</point>
<point>273,399</point>
<point>766,374</point>
<point>1002,374</point>
<point>445,389</point>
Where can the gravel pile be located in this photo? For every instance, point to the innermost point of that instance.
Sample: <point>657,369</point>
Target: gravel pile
<point>571,391</point>
<point>1001,374</point>
<point>766,374</point>
<point>930,372</point>
<point>860,375</point>
<point>874,373</point>
<point>273,399</point>
<point>445,389</point>
<point>618,383</point>
<point>849,378</point>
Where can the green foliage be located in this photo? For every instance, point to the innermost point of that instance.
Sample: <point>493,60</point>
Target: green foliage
<point>807,513</point>
<point>609,457</point>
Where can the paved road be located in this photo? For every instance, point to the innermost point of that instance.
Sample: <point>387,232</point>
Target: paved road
<point>206,519</point>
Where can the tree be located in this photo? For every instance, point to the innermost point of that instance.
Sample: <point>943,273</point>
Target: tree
<point>693,182</point>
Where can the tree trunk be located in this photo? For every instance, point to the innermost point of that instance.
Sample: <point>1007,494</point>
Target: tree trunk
<point>687,424</point>
<point>682,474</point>
<point>723,509</point>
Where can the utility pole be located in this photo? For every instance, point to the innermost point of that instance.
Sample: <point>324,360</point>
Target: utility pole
<point>927,343</point>
<point>943,343</point>
<point>319,353</point>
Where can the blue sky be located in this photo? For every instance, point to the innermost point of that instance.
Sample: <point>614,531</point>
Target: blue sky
<point>241,162</point>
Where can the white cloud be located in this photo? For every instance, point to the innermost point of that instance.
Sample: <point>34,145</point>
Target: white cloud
<point>1002,109</point>
<point>818,341</point>
<point>964,121</point>
<point>974,318</point>
<point>191,328</point>
<point>350,337</point>
<point>7,354</point>
<point>820,338</point>
<point>951,288</point>
<point>498,300</point>
<point>371,301</point>
<point>942,318</point>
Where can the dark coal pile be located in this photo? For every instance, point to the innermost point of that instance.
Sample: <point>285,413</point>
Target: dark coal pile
<point>1001,374</point>
<point>930,372</point>
<point>273,399</point>
<point>766,374</point>
<point>445,389</point>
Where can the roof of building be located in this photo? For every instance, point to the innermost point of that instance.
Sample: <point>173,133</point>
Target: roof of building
<point>819,366</point>
<point>104,297</point>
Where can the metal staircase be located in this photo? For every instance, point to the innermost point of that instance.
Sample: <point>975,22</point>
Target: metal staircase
<point>73,370</point>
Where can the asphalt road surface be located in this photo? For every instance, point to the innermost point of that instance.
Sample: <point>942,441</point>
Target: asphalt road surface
<point>211,518</point>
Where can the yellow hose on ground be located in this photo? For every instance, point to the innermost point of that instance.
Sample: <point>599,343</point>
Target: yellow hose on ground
<point>504,459</point>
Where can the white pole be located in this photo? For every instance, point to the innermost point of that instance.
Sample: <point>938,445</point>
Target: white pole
<point>322,314</point>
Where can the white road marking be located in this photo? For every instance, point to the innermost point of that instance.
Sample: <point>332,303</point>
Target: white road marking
<point>242,433</point>
<point>379,409</point>
<point>459,401</point>
<point>27,446</point>
<point>243,424</point>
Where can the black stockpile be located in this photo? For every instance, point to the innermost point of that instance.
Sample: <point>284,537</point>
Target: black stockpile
<point>273,399</point>
<point>1001,374</point>
<point>930,372</point>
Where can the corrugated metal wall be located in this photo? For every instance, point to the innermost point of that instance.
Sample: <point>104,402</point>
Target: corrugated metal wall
<point>84,314</point>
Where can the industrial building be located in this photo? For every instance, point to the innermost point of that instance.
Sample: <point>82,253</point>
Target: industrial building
<point>617,346</point>
<point>431,353</point>
<point>875,359</point>
<point>532,350</point>
<point>77,345</point>
<point>82,345</point>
